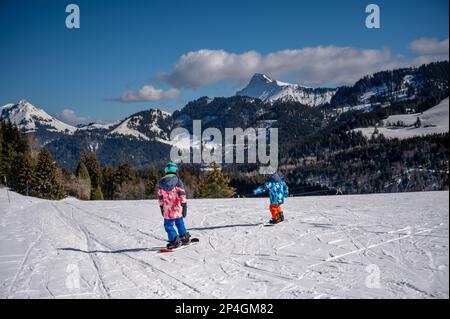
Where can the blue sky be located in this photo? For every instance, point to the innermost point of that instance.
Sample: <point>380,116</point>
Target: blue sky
<point>132,55</point>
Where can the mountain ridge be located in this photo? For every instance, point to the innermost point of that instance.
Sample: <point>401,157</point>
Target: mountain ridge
<point>263,87</point>
<point>143,137</point>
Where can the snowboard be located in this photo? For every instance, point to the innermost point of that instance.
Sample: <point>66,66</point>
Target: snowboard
<point>269,224</point>
<point>193,241</point>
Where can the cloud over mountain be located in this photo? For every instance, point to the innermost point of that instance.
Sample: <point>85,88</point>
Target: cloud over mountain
<point>429,46</point>
<point>311,65</point>
<point>69,116</point>
<point>147,93</point>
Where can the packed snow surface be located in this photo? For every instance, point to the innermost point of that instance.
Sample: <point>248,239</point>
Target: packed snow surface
<point>363,246</point>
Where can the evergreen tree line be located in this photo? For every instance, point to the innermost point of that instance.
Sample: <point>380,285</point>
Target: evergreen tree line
<point>26,174</point>
<point>92,181</point>
<point>39,175</point>
<point>381,165</point>
<point>432,80</point>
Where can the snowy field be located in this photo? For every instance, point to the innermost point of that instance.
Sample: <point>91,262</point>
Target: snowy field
<point>434,121</point>
<point>365,246</point>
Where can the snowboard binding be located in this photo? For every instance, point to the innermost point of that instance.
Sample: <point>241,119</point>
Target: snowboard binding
<point>175,244</point>
<point>186,239</point>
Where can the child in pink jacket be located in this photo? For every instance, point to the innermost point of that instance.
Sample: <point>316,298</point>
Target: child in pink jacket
<point>172,201</point>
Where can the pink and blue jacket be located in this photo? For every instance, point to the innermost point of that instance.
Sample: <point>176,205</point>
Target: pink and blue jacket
<point>171,197</point>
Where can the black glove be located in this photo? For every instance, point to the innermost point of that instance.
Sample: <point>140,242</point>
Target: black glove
<point>162,210</point>
<point>184,205</point>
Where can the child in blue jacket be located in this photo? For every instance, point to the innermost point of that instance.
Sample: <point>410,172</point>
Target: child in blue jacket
<point>277,191</point>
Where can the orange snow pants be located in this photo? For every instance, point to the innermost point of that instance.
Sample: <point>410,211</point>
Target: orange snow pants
<point>274,210</point>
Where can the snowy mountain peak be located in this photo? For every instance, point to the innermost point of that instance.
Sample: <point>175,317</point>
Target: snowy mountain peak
<point>22,106</point>
<point>263,87</point>
<point>260,78</point>
<point>30,118</point>
<point>25,103</point>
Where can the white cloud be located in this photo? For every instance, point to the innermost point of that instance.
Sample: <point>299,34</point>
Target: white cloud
<point>429,50</point>
<point>424,59</point>
<point>315,65</point>
<point>69,116</point>
<point>311,65</point>
<point>148,93</point>
<point>430,46</point>
<point>204,67</point>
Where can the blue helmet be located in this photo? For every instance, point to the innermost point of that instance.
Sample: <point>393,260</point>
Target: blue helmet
<point>171,168</point>
<point>274,178</point>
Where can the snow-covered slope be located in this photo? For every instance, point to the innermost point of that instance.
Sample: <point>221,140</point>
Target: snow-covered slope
<point>29,118</point>
<point>360,246</point>
<point>145,125</point>
<point>265,88</point>
<point>129,127</point>
<point>406,90</point>
<point>434,120</point>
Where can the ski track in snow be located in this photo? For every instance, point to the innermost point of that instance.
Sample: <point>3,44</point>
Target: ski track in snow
<point>324,250</point>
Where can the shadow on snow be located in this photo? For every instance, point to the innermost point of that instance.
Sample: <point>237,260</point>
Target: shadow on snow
<point>118,251</point>
<point>134,250</point>
<point>224,226</point>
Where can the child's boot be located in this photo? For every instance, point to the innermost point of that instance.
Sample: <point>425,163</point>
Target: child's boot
<point>273,221</point>
<point>175,244</point>
<point>186,239</point>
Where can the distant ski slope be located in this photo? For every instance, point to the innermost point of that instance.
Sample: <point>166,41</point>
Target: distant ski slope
<point>381,246</point>
<point>434,120</point>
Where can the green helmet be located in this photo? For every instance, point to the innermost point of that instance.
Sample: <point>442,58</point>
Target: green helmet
<point>171,168</point>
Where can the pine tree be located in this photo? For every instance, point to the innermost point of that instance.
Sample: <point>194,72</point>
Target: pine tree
<point>15,158</point>
<point>122,180</point>
<point>11,145</point>
<point>2,158</point>
<point>22,173</point>
<point>215,185</point>
<point>97,195</point>
<point>108,186</point>
<point>84,182</point>
<point>94,169</point>
<point>124,174</point>
<point>45,182</point>
<point>152,182</point>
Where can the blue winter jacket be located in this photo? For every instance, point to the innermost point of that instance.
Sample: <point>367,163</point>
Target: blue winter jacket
<point>277,189</point>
